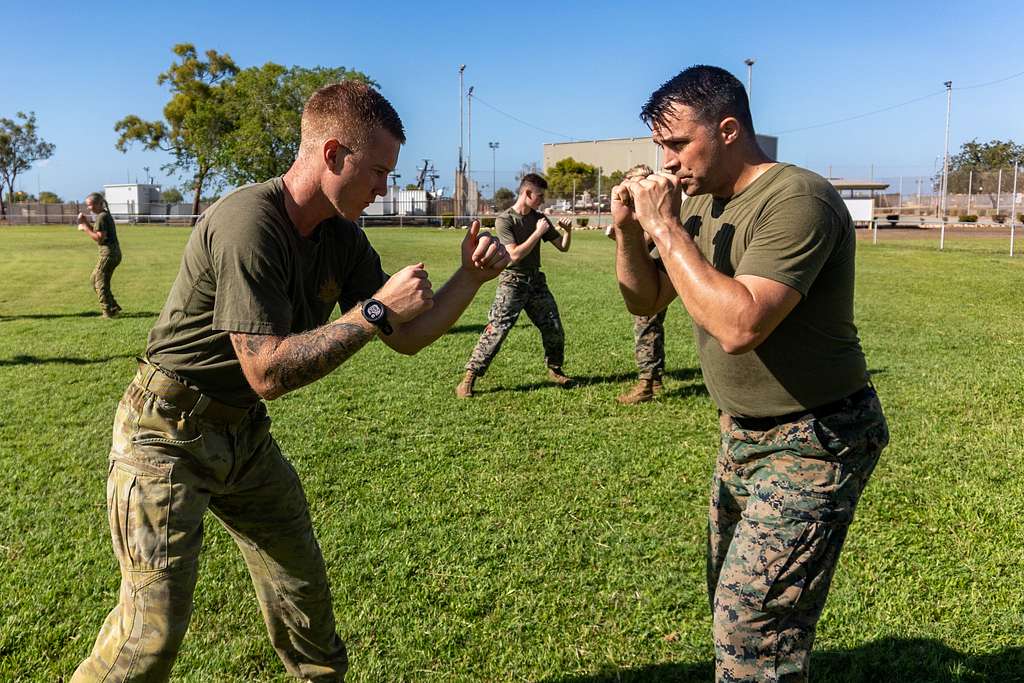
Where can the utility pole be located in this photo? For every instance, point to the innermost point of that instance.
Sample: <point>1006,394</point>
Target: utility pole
<point>459,181</point>
<point>750,75</point>
<point>494,156</point>
<point>945,164</point>
<point>469,150</point>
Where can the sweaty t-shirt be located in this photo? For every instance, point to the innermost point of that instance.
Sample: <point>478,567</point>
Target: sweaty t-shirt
<point>246,269</point>
<point>105,224</point>
<point>515,228</point>
<point>790,226</point>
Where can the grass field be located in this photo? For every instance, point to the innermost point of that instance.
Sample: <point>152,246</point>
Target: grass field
<point>532,534</point>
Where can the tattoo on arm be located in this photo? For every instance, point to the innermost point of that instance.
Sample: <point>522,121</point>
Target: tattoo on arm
<point>287,363</point>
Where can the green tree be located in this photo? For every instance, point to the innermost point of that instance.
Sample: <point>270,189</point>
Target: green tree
<point>569,173</point>
<point>20,147</point>
<point>976,167</point>
<point>195,122</point>
<point>171,196</point>
<point>47,197</point>
<point>504,198</point>
<point>265,105</point>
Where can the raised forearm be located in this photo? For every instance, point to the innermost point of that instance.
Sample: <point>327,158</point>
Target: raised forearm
<point>519,251</point>
<point>720,304</point>
<point>449,303</point>
<point>276,365</point>
<point>636,272</point>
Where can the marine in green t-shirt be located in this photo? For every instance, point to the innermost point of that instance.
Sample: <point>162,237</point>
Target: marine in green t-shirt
<point>247,319</point>
<point>762,257</point>
<point>523,286</point>
<point>104,234</point>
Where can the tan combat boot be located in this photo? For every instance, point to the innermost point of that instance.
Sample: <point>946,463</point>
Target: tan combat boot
<point>556,375</point>
<point>641,392</point>
<point>465,388</point>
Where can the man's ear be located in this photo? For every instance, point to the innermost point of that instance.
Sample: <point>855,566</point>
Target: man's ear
<point>729,130</point>
<point>334,154</point>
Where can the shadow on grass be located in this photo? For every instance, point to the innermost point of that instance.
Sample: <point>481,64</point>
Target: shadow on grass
<point>920,660</point>
<point>58,360</point>
<point>682,374</point>
<point>467,329</point>
<point>81,314</point>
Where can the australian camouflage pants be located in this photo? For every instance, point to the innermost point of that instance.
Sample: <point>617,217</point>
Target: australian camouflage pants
<point>166,469</point>
<point>781,503</point>
<point>520,291</point>
<point>109,259</point>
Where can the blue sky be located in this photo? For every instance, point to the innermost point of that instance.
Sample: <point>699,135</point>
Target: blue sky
<point>578,69</point>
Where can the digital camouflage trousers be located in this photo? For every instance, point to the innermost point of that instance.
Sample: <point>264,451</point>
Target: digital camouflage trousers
<point>649,338</point>
<point>518,291</point>
<point>109,259</point>
<point>166,469</point>
<point>781,503</point>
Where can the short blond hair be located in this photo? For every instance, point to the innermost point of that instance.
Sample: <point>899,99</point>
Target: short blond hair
<point>350,112</point>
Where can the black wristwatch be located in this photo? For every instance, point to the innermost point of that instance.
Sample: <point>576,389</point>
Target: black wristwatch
<point>376,313</point>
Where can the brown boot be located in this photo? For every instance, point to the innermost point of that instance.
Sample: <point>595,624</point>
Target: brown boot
<point>556,375</point>
<point>465,388</point>
<point>641,392</point>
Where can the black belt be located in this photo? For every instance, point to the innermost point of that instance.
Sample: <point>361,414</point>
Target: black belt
<point>189,400</point>
<point>763,424</point>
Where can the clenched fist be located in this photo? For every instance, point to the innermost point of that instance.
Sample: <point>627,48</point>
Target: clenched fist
<point>407,294</point>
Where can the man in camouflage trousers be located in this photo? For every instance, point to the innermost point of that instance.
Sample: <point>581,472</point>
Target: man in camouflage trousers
<point>523,287</point>
<point>762,256</point>
<point>649,349</point>
<point>648,330</point>
<point>245,321</point>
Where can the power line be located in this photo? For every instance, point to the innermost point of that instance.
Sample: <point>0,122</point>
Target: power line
<point>901,104</point>
<point>519,120</point>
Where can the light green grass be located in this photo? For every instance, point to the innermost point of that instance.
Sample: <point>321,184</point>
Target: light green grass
<point>531,534</point>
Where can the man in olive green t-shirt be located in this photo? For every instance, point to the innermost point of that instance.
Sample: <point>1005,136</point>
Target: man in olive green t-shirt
<point>247,319</point>
<point>762,256</point>
<point>523,286</point>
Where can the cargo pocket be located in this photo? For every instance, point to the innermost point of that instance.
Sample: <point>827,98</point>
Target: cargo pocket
<point>138,502</point>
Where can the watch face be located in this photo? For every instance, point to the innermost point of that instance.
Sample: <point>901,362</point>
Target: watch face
<point>374,311</point>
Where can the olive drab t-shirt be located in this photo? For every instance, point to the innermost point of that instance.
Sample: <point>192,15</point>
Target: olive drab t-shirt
<point>789,225</point>
<point>513,227</point>
<point>105,224</point>
<point>246,269</point>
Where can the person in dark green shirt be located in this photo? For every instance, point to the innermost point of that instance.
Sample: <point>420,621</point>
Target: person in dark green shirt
<point>762,256</point>
<point>104,234</point>
<point>246,320</point>
<point>523,286</point>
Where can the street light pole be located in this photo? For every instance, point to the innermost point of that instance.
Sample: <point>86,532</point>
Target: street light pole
<point>945,164</point>
<point>494,176</point>
<point>750,74</point>
<point>469,146</point>
<point>458,171</point>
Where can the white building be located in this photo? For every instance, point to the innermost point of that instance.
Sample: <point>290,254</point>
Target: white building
<point>131,198</point>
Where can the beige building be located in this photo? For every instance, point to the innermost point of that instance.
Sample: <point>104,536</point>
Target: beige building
<point>620,154</point>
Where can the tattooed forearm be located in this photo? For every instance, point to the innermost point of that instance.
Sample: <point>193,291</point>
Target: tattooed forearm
<point>305,358</point>
<point>277,365</point>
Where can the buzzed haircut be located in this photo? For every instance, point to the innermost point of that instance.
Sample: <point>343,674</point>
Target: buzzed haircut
<point>534,180</point>
<point>349,111</point>
<point>712,92</point>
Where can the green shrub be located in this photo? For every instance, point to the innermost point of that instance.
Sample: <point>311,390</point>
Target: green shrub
<point>487,222</point>
<point>582,222</point>
<point>968,218</point>
<point>999,217</point>
<point>447,220</point>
